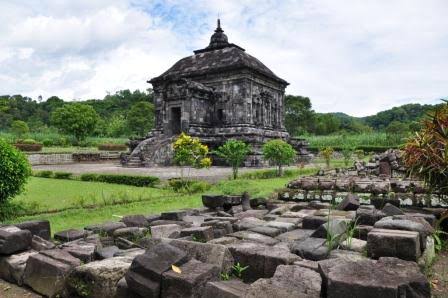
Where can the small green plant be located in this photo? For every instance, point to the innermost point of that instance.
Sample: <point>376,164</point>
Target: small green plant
<point>188,186</point>
<point>279,153</point>
<point>359,154</point>
<point>62,175</point>
<point>196,238</point>
<point>238,270</point>
<point>327,154</point>
<point>234,152</point>
<point>347,153</point>
<point>44,174</point>
<point>225,276</point>
<point>350,232</point>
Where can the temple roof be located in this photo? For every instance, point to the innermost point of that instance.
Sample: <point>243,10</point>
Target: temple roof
<point>218,56</point>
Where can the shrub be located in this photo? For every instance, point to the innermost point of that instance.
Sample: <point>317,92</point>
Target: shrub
<point>269,174</point>
<point>28,145</point>
<point>327,154</point>
<point>234,152</point>
<point>128,180</point>
<point>279,153</point>
<point>112,147</point>
<point>14,172</point>
<point>62,175</point>
<point>188,186</point>
<point>89,177</point>
<point>19,128</point>
<point>426,154</point>
<point>43,174</point>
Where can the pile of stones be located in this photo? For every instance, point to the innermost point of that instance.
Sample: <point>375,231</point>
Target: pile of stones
<point>288,249</point>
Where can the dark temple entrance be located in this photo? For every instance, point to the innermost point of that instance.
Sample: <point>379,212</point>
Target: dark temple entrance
<point>176,120</point>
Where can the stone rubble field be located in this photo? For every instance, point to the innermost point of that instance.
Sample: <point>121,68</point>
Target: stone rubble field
<point>292,247</point>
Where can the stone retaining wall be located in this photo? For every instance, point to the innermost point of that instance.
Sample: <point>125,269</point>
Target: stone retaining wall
<point>67,158</point>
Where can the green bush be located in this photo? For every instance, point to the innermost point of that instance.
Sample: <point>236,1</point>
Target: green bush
<point>14,171</point>
<point>188,186</point>
<point>270,173</point>
<point>44,174</point>
<point>128,180</point>
<point>28,141</point>
<point>279,153</point>
<point>62,175</point>
<point>89,177</point>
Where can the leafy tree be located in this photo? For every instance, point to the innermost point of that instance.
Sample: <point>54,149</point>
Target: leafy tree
<point>397,128</point>
<point>298,114</point>
<point>75,119</point>
<point>189,151</point>
<point>234,152</point>
<point>117,126</point>
<point>426,154</point>
<point>14,172</point>
<point>279,153</point>
<point>141,118</point>
<point>19,128</point>
<point>327,154</point>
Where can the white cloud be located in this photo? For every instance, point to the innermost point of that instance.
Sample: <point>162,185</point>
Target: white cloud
<point>357,57</point>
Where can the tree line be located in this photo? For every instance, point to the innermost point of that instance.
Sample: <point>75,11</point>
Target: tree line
<point>126,114</point>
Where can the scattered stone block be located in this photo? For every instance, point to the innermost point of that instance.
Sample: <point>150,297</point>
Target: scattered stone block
<point>266,230</point>
<point>107,228</point>
<point>39,244</point>
<point>13,240</point>
<point>407,223</point>
<point>39,228</point>
<point>55,265</point>
<point>346,255</point>
<point>390,210</point>
<point>351,202</point>
<point>313,249</point>
<point>233,288</point>
<point>354,244</point>
<point>313,265</point>
<point>387,277</point>
<point>224,240</point>
<point>257,202</point>
<point>145,274</point>
<point>83,249</point>
<point>261,259</point>
<point>291,220</point>
<point>12,267</point>
<point>282,226</point>
<point>195,220</point>
<point>106,252</point>
<point>361,231</point>
<point>430,218</point>
<point>295,235</point>
<point>173,215</point>
<point>135,221</point>
<point>166,231</point>
<point>251,213</point>
<point>248,223</point>
<point>97,279</point>
<point>70,235</point>
<point>288,281</point>
<point>191,282</point>
<point>163,222</point>
<point>123,290</point>
<point>393,243</point>
<point>201,234</point>
<point>313,222</point>
<point>368,215</point>
<point>335,227</point>
<point>255,237</point>
<point>130,233</point>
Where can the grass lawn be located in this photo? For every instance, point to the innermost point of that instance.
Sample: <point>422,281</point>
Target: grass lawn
<point>51,194</point>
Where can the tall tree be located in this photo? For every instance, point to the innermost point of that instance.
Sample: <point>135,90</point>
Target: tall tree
<point>141,118</point>
<point>298,114</point>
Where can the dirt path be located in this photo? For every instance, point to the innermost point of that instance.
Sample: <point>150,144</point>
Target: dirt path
<point>439,276</point>
<point>8,290</point>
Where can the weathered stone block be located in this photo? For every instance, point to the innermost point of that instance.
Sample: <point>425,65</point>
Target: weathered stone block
<point>70,235</point>
<point>313,249</point>
<point>255,237</point>
<point>145,274</point>
<point>282,226</point>
<point>105,228</point>
<point>201,234</point>
<point>190,282</point>
<point>266,230</point>
<point>288,281</point>
<point>39,244</point>
<point>335,227</point>
<point>390,210</point>
<point>166,231</point>
<point>54,265</point>
<point>137,220</point>
<point>233,288</point>
<point>295,235</point>
<point>313,222</point>
<point>248,223</point>
<point>351,202</point>
<point>13,239</point>
<point>393,243</point>
<point>39,228</point>
<point>173,215</point>
<point>13,267</point>
<point>130,233</point>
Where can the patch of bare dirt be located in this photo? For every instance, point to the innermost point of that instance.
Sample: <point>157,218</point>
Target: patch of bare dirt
<point>8,290</point>
<point>439,276</point>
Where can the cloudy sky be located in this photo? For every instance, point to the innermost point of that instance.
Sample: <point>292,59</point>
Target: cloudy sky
<point>352,56</point>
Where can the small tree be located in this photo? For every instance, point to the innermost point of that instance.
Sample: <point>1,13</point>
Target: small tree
<point>14,171</point>
<point>77,119</point>
<point>19,128</point>
<point>234,152</point>
<point>141,118</point>
<point>347,153</point>
<point>426,154</point>
<point>189,152</point>
<point>327,154</point>
<point>280,153</point>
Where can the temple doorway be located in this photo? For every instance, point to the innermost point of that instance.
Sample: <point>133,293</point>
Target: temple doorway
<point>175,123</point>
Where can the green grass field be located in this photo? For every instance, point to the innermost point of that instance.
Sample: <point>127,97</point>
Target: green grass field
<point>366,139</point>
<point>43,194</point>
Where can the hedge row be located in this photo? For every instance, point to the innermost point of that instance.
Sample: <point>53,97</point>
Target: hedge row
<point>29,147</point>
<point>141,181</point>
<point>376,149</point>
<point>112,147</point>
<point>121,179</point>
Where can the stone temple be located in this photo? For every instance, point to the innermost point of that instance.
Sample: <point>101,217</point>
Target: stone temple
<point>220,92</point>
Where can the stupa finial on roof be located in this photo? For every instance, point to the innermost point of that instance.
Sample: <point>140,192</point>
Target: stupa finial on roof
<point>218,39</point>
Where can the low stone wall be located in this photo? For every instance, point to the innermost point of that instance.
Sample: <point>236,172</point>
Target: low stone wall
<point>67,158</point>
